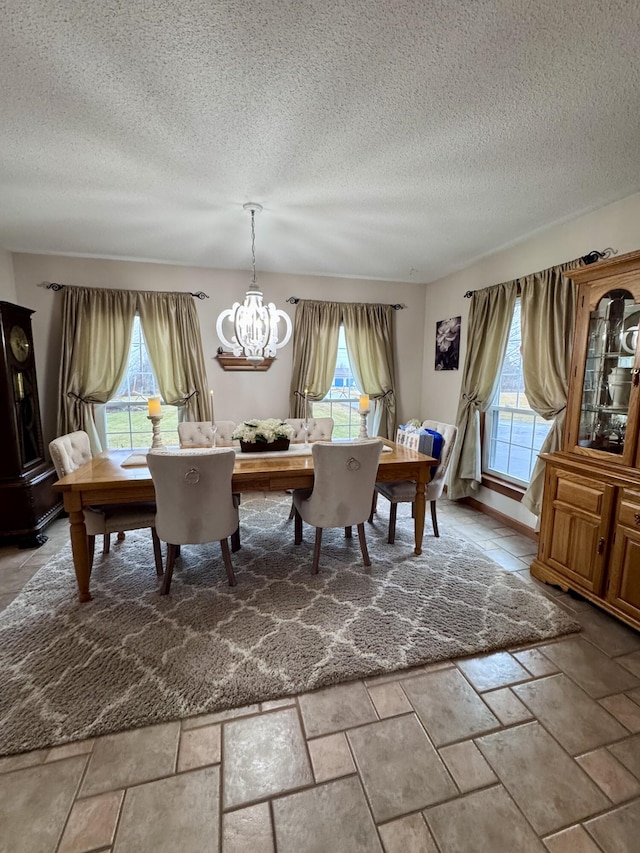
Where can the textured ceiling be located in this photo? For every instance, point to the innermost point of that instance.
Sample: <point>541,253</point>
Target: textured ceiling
<point>393,139</point>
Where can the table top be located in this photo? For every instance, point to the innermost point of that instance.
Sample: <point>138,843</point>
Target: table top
<point>105,469</point>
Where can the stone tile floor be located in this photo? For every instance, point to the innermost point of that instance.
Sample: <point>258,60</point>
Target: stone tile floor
<point>529,749</point>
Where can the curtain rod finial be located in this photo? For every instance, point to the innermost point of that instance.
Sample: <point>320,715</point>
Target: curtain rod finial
<point>595,255</point>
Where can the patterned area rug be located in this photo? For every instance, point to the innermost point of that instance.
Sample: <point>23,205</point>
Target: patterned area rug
<point>131,657</point>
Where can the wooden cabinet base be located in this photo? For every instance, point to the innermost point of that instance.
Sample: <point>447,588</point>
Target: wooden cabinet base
<point>543,573</point>
<point>27,505</point>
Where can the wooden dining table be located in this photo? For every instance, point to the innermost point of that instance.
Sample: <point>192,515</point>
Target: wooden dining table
<point>104,480</point>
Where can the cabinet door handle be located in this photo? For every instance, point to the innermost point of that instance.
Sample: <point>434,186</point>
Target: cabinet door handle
<point>637,517</point>
<point>601,545</point>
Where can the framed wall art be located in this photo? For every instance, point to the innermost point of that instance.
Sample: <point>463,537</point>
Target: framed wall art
<point>448,344</point>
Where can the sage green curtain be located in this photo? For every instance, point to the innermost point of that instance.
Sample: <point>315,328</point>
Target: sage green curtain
<point>490,318</point>
<point>548,317</point>
<point>315,350</point>
<point>368,330</point>
<point>96,337</point>
<point>172,334</point>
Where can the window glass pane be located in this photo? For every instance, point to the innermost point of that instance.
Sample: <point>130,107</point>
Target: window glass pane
<point>513,432</point>
<point>126,421</point>
<point>522,431</point>
<point>341,403</point>
<point>499,457</point>
<point>502,425</point>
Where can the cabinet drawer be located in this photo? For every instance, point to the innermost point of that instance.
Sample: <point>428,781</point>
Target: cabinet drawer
<point>629,510</point>
<point>580,493</point>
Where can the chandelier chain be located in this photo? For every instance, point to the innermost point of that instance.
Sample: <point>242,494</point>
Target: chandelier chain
<point>253,246</point>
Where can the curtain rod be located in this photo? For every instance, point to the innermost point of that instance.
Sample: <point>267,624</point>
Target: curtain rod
<point>589,258</point>
<point>53,285</point>
<point>397,306</point>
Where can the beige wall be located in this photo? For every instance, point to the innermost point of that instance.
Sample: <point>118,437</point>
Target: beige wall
<point>617,225</point>
<point>238,395</point>
<point>7,282</point>
<point>422,391</point>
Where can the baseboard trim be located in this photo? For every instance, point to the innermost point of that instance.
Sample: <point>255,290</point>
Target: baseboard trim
<point>500,516</point>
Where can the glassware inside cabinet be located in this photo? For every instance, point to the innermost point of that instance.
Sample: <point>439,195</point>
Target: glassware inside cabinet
<point>611,345</point>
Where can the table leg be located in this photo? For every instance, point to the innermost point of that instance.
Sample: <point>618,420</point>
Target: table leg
<point>80,552</point>
<point>420,505</point>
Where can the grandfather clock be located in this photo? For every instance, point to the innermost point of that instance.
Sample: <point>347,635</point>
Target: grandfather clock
<point>27,501</point>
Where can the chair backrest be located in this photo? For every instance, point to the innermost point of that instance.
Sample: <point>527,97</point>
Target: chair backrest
<point>70,451</point>
<point>200,434</point>
<point>320,429</point>
<point>448,433</point>
<point>344,480</point>
<point>193,496</point>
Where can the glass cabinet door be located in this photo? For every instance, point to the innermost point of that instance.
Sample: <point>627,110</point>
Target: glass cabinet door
<point>609,372</point>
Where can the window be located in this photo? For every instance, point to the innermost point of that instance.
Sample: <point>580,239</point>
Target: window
<point>341,403</point>
<point>513,432</point>
<point>122,422</point>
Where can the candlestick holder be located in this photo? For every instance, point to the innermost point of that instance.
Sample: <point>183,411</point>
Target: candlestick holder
<point>363,424</point>
<point>156,442</point>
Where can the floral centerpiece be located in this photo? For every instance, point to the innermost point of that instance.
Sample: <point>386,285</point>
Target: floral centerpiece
<point>267,434</point>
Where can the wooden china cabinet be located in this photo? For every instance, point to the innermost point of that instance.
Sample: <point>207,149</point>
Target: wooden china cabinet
<point>590,525</point>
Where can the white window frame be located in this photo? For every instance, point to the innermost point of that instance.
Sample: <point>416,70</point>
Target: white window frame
<point>493,420</point>
<point>341,395</point>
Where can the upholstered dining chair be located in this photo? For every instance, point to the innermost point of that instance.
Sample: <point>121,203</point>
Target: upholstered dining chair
<point>318,429</point>
<point>404,491</point>
<point>344,479</point>
<point>200,433</point>
<point>194,503</point>
<point>69,452</point>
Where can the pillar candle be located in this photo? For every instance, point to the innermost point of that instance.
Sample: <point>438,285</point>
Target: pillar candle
<point>153,404</point>
<point>364,403</point>
<point>213,420</point>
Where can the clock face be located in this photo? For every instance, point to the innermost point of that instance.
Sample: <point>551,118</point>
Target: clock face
<point>19,343</point>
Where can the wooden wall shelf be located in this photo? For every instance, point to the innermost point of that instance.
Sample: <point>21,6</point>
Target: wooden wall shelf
<point>229,361</point>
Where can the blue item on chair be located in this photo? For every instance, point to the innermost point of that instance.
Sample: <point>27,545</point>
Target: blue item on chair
<point>416,439</point>
<point>436,449</point>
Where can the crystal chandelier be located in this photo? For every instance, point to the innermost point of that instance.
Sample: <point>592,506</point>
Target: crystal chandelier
<point>255,325</point>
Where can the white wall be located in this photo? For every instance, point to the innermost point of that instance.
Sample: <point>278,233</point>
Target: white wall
<point>616,225</point>
<point>238,395</point>
<point>7,282</point>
